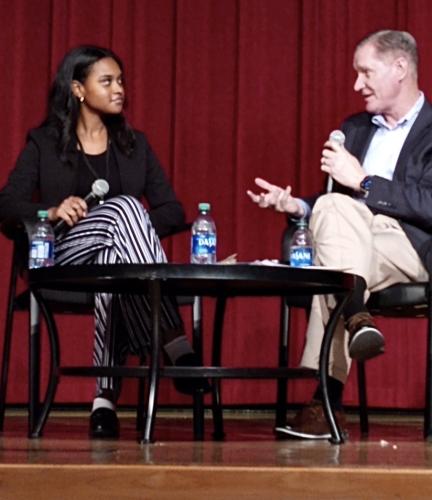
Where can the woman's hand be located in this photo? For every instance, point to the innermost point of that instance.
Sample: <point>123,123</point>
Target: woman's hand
<point>71,210</point>
<point>278,198</point>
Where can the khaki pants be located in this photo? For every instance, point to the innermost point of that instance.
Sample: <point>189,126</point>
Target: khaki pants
<point>348,236</point>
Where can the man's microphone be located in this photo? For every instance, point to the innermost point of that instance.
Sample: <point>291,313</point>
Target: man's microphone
<point>338,137</point>
<point>99,189</point>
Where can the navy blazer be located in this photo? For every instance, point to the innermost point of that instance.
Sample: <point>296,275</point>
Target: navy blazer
<point>41,180</point>
<point>408,197</point>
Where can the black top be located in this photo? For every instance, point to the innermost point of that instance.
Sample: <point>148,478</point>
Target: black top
<point>109,172</point>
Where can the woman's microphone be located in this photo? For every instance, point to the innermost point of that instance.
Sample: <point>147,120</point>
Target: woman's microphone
<point>99,189</point>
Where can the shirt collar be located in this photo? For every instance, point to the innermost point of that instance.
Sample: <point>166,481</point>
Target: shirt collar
<point>381,122</point>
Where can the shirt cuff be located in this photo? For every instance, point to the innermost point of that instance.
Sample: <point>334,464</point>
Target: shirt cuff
<point>306,210</point>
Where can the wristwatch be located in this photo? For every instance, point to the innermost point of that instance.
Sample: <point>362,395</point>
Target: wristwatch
<point>365,186</point>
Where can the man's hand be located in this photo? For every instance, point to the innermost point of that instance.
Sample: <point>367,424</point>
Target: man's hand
<point>71,210</point>
<point>342,166</point>
<point>278,198</point>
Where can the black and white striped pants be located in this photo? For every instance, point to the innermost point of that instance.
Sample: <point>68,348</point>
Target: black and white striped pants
<point>118,232</point>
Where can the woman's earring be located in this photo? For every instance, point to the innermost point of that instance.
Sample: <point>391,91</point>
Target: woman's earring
<point>81,99</point>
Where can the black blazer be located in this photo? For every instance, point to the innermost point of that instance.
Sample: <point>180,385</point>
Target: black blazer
<point>408,197</point>
<point>41,180</point>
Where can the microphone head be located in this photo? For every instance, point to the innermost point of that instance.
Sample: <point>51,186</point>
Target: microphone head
<point>100,188</point>
<point>338,137</point>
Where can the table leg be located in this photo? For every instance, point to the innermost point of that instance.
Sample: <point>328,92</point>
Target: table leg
<point>218,424</point>
<point>337,437</point>
<point>155,303</point>
<point>198,396</point>
<point>283,360</point>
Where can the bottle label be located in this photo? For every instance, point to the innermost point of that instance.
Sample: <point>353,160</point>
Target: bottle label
<point>41,250</point>
<point>203,244</point>
<point>301,256</point>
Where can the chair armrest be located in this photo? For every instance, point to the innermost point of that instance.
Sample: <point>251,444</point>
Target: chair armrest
<point>13,229</point>
<point>286,240</point>
<point>180,229</point>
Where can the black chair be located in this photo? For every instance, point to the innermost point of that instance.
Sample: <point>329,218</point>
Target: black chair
<point>75,303</point>
<point>405,300</point>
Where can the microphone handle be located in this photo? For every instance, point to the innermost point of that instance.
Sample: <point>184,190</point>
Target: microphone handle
<point>338,137</point>
<point>91,198</point>
<point>61,225</point>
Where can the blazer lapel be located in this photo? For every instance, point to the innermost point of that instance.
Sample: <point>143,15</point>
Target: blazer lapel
<point>419,128</point>
<point>126,167</point>
<point>70,174</point>
<point>361,141</point>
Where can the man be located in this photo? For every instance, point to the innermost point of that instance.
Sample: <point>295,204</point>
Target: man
<point>381,227</point>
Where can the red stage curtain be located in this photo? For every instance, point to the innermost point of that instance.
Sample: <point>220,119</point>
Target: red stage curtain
<point>226,90</point>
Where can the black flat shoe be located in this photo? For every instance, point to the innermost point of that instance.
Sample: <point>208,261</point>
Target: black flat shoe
<point>104,424</point>
<point>187,385</point>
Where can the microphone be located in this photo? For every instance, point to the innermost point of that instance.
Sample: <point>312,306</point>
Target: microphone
<point>338,137</point>
<point>99,189</point>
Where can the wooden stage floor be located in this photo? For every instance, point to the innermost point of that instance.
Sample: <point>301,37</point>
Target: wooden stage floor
<point>393,462</point>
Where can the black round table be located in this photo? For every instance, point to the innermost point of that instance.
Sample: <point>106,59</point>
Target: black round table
<point>219,280</point>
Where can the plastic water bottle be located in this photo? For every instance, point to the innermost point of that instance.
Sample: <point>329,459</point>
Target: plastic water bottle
<point>203,240</point>
<point>301,247</point>
<point>41,242</point>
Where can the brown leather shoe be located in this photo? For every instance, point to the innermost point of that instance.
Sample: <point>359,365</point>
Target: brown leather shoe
<point>310,423</point>
<point>366,341</point>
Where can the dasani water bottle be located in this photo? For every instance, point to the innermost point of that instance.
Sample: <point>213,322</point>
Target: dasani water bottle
<point>41,253</point>
<point>301,247</point>
<point>203,239</point>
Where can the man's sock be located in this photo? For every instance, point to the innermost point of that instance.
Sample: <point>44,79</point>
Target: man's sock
<point>335,390</point>
<point>356,303</point>
<point>177,348</point>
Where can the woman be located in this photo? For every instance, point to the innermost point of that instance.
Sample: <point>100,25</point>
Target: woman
<point>85,137</point>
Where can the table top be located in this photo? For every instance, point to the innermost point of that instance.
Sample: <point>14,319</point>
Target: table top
<point>189,279</point>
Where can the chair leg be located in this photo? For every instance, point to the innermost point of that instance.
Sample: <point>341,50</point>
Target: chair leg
<point>7,339</point>
<point>427,430</point>
<point>37,308</point>
<point>282,383</point>
<point>363,409</point>
<point>141,399</point>
<point>34,368</point>
<point>198,416</point>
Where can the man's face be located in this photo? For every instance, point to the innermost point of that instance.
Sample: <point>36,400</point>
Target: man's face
<point>378,79</point>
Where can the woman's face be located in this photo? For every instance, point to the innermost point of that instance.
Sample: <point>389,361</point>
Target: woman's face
<point>103,89</point>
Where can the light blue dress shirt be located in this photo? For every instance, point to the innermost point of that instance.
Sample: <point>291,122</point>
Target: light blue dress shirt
<point>387,142</point>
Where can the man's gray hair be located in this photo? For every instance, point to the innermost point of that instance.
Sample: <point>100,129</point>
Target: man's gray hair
<point>396,42</point>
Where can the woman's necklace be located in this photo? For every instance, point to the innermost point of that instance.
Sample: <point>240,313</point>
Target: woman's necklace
<point>89,165</point>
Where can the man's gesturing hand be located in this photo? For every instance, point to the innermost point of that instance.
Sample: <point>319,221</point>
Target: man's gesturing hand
<point>278,198</point>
